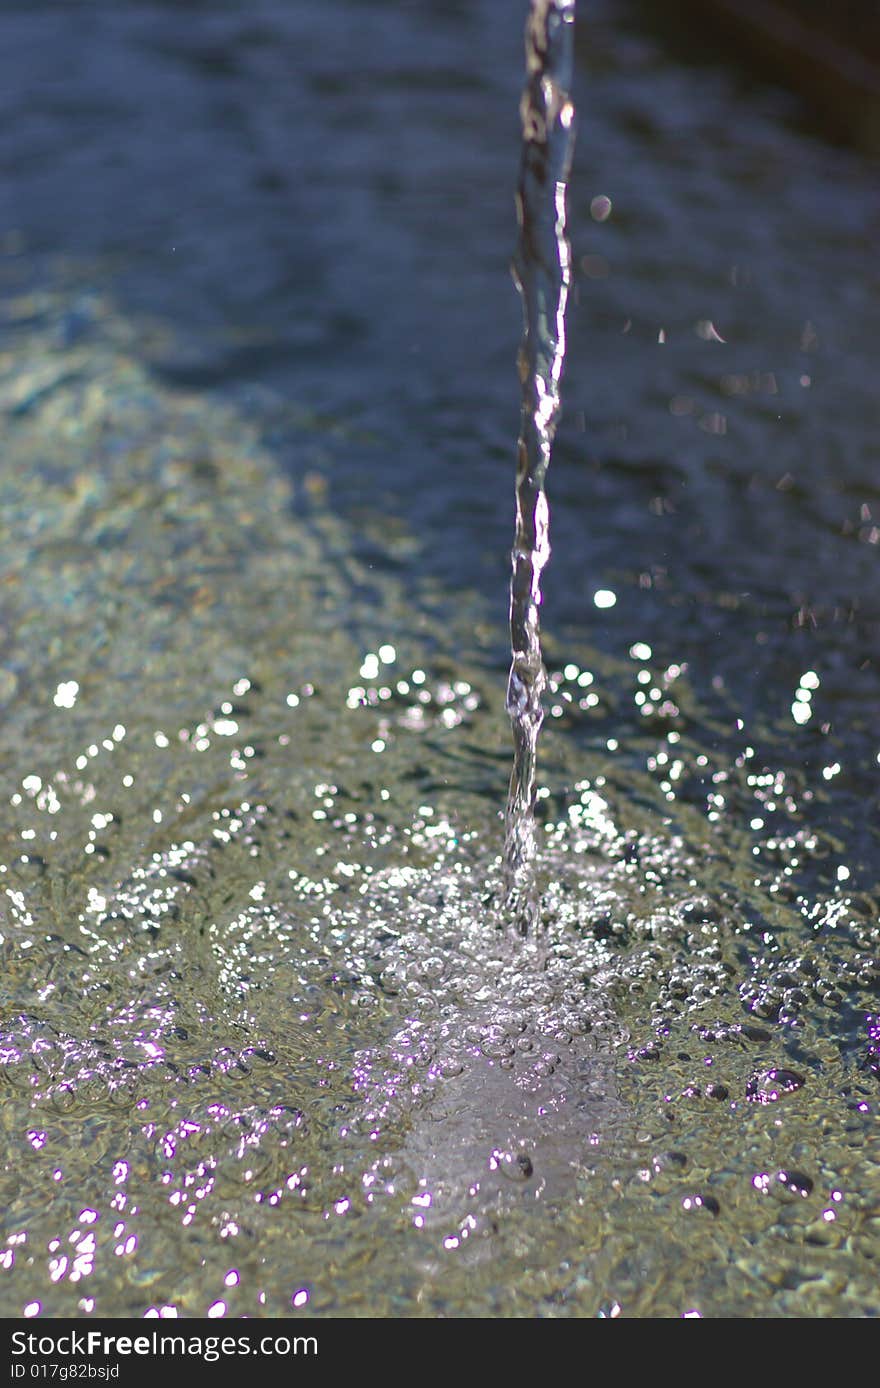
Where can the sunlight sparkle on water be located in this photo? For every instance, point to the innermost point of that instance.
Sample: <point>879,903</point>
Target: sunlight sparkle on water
<point>65,694</point>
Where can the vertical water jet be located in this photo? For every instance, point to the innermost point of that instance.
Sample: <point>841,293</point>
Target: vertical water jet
<point>542,272</point>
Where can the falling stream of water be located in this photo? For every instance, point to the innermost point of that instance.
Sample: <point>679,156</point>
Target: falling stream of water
<point>542,270</point>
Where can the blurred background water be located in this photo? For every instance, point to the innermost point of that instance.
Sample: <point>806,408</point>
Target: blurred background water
<point>265,1048</point>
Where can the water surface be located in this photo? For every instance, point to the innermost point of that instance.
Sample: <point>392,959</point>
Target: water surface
<point>265,1050</point>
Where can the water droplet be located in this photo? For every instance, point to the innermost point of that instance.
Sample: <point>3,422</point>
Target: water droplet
<point>669,1161</point>
<point>516,1166</point>
<point>496,1043</point>
<point>770,1085</point>
<point>450,1067</point>
<point>701,1202</point>
<point>794,1183</point>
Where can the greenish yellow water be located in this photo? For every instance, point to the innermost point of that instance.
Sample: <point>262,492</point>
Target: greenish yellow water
<point>267,1047</point>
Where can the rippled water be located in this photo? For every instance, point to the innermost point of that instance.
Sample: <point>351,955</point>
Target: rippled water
<point>264,1050</point>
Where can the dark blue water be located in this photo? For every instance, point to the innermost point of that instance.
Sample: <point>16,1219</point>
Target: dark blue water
<point>322,201</point>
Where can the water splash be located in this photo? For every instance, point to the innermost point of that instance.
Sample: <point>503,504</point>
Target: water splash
<point>542,271</point>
